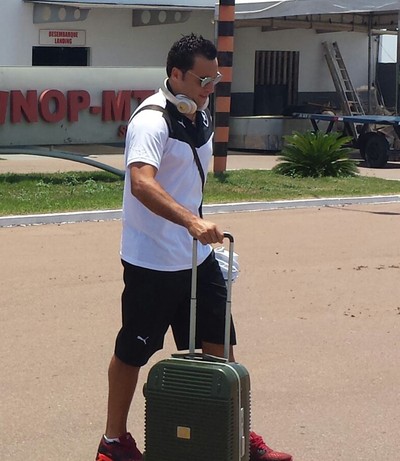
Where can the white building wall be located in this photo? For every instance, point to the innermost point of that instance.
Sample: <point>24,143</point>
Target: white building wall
<point>109,34</point>
<point>314,75</point>
<point>16,33</point>
<point>113,41</point>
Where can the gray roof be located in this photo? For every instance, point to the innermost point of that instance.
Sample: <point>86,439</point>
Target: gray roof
<point>183,4</point>
<point>252,9</point>
<point>257,9</point>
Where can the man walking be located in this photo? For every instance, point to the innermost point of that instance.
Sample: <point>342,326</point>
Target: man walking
<point>168,149</point>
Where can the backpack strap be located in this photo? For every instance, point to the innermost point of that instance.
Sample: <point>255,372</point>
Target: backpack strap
<point>164,111</point>
<point>187,139</point>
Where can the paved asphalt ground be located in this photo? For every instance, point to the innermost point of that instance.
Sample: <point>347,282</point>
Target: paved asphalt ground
<point>317,310</point>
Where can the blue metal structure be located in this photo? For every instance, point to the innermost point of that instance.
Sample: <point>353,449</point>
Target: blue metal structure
<point>373,145</point>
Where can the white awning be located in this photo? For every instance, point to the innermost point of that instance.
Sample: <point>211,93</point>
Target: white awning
<point>176,4</point>
<point>250,9</point>
<point>259,10</point>
<point>323,15</point>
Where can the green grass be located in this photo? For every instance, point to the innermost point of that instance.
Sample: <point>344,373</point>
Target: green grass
<point>49,193</point>
<point>259,185</point>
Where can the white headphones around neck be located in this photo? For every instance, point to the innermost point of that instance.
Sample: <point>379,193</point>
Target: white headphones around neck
<point>184,104</point>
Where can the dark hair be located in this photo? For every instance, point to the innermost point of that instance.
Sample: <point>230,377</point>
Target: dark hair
<point>183,52</point>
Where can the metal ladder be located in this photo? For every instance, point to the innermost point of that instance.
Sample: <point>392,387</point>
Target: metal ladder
<point>349,100</point>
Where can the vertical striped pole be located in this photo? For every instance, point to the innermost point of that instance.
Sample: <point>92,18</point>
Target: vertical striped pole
<point>225,31</point>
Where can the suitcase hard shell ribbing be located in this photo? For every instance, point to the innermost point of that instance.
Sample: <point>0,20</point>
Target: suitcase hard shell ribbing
<point>198,406</point>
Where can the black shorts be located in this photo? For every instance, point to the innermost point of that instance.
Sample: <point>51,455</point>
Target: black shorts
<point>154,300</point>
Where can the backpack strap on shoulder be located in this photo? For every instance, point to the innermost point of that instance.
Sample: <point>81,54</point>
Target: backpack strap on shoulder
<point>164,111</point>
<point>168,120</point>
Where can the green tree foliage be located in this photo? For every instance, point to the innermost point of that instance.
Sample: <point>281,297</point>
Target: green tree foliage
<point>316,155</point>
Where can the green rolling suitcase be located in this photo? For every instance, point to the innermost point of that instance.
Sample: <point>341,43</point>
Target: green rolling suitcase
<point>198,406</point>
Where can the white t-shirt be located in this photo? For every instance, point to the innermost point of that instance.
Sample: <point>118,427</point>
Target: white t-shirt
<point>149,240</point>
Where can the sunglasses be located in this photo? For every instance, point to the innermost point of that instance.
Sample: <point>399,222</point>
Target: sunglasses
<point>204,81</point>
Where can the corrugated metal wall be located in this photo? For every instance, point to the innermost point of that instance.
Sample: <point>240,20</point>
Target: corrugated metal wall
<point>278,68</point>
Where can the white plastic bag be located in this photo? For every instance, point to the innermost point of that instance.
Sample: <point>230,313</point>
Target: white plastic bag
<point>222,256</point>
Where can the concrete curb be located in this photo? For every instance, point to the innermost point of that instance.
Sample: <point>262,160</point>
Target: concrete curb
<point>59,218</point>
<point>107,215</point>
<point>301,203</point>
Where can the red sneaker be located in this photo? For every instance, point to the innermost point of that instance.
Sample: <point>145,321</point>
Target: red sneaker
<point>259,451</point>
<point>124,450</point>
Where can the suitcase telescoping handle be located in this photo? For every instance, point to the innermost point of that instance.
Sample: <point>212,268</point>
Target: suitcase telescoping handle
<point>193,299</point>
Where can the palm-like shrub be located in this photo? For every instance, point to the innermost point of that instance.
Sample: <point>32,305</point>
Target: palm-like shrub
<point>316,154</point>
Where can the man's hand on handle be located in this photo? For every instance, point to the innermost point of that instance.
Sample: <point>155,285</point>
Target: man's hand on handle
<point>205,231</point>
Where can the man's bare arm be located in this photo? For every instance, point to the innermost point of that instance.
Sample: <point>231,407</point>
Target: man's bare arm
<point>148,191</point>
